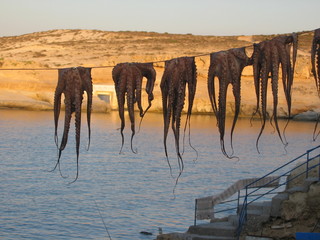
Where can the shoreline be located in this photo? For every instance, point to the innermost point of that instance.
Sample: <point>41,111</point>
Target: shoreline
<point>34,105</point>
<point>43,100</point>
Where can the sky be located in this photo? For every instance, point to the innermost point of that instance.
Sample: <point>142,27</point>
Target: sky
<point>198,17</point>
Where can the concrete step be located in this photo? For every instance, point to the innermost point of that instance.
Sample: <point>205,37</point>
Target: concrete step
<point>276,203</point>
<point>257,238</point>
<point>201,237</point>
<point>234,220</point>
<point>254,213</point>
<point>309,181</point>
<point>264,207</point>
<point>259,208</point>
<point>188,236</point>
<point>297,189</point>
<point>219,229</point>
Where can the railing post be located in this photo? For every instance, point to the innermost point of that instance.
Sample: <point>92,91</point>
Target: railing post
<point>195,213</point>
<point>307,170</point>
<point>319,169</point>
<point>238,210</point>
<point>246,203</point>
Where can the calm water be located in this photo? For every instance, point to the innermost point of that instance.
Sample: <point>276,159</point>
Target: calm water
<point>133,192</point>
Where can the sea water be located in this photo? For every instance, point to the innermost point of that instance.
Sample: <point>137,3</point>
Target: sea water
<point>120,195</point>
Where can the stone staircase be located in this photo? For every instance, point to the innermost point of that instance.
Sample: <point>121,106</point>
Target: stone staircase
<point>222,229</point>
<point>226,228</point>
<point>257,213</point>
<point>214,230</point>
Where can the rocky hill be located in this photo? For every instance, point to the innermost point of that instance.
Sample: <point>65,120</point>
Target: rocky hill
<point>92,48</point>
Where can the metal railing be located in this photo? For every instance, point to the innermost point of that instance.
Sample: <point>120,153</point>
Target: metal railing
<point>281,171</point>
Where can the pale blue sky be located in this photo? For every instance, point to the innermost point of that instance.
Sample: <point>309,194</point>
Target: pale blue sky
<point>201,17</point>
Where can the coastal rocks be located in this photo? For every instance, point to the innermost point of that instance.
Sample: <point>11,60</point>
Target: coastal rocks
<point>42,101</point>
<point>299,213</point>
<point>309,115</point>
<point>295,207</point>
<point>302,205</point>
<point>11,99</point>
<point>313,199</point>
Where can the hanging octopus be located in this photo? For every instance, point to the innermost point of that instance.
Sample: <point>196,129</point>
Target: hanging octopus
<point>267,57</point>
<point>227,67</point>
<point>127,78</point>
<point>315,69</point>
<point>72,82</point>
<point>178,72</point>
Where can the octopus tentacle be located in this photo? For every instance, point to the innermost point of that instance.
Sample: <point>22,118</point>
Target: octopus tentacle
<point>68,114</point>
<point>64,140</point>
<point>57,107</point>
<point>177,116</point>
<point>88,87</point>
<point>131,86</point>
<point>121,99</point>
<point>274,85</point>
<point>77,125</point>
<point>318,63</point>
<point>237,99</point>
<point>290,40</point>
<point>120,81</point>
<point>264,86</point>
<point>222,99</point>
<point>294,56</point>
<point>285,68</point>
<point>57,103</point>
<point>191,77</point>
<point>315,54</point>
<point>148,72</point>
<point>287,79</point>
<point>167,116</point>
<point>222,116</point>
<point>138,94</point>
<point>166,109</point>
<point>77,109</point>
<point>257,75</point>
<point>236,85</point>
<point>211,86</point>
<point>89,109</point>
<point>315,135</point>
<point>313,61</point>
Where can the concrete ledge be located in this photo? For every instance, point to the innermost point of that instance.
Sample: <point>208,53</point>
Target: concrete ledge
<point>214,229</point>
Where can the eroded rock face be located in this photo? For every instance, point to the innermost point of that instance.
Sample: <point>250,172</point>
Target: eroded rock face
<point>313,199</point>
<point>295,207</point>
<point>299,213</point>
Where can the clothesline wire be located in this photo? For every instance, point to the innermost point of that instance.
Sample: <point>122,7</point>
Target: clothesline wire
<point>111,66</point>
<point>106,66</point>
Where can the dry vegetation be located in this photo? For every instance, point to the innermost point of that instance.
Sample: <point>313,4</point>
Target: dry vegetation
<point>69,48</point>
